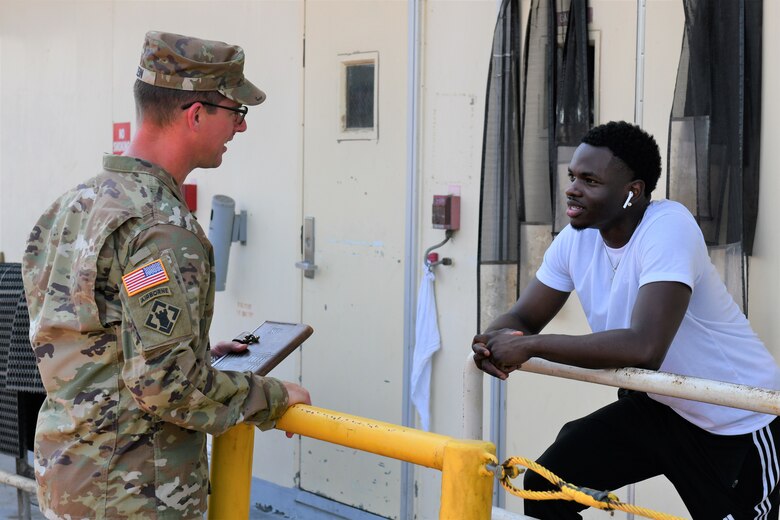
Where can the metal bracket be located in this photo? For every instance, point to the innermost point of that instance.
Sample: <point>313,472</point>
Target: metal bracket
<point>307,245</point>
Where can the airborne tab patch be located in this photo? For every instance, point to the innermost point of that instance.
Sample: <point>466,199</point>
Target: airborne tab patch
<point>154,293</point>
<point>144,277</point>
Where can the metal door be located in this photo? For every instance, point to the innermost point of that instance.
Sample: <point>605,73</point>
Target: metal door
<point>354,201</point>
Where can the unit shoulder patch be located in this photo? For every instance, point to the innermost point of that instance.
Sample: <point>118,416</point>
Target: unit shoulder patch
<point>162,317</point>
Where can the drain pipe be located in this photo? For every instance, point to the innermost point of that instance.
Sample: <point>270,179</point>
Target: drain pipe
<point>639,108</point>
<point>412,262</point>
<point>639,81</point>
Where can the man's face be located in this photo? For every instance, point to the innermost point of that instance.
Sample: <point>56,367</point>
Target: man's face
<point>597,190</point>
<point>220,126</point>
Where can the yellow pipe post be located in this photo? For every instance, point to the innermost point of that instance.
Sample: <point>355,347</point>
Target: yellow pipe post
<point>381,438</point>
<point>466,483</point>
<point>231,473</point>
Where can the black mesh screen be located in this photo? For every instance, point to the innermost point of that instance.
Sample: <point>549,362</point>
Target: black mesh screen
<point>573,111</point>
<point>500,184</point>
<point>528,142</point>
<point>499,206</point>
<point>714,129</point>
<point>22,373</point>
<point>10,288</point>
<point>21,391</point>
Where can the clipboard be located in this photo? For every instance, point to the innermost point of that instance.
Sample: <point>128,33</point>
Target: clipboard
<point>269,344</point>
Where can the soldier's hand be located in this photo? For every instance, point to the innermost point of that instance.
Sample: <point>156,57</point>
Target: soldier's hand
<point>296,394</point>
<point>227,347</point>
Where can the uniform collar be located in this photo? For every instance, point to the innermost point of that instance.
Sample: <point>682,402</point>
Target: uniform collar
<point>125,164</point>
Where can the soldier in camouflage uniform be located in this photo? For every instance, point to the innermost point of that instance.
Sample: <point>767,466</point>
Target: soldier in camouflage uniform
<point>119,278</point>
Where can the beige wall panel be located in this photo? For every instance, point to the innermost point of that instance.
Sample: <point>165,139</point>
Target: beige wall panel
<point>664,24</point>
<point>765,263</point>
<point>56,106</point>
<point>456,53</point>
<point>616,22</point>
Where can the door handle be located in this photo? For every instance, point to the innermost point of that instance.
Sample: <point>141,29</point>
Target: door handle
<point>307,245</point>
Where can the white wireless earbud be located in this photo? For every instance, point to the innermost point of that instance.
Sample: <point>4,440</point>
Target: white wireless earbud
<point>627,203</point>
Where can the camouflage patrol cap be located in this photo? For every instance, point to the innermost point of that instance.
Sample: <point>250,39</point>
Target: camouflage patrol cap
<point>185,63</point>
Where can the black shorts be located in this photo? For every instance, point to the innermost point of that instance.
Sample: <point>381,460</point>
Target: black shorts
<point>731,477</point>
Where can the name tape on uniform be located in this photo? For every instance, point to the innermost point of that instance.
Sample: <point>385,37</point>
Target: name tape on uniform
<point>144,277</point>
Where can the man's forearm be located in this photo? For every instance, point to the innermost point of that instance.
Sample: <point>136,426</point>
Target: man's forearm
<point>609,349</point>
<point>511,321</point>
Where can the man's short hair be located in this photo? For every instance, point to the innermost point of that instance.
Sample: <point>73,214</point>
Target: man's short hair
<point>160,105</point>
<point>633,146</point>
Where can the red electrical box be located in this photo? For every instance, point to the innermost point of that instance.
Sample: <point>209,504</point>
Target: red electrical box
<point>190,192</point>
<point>446,212</point>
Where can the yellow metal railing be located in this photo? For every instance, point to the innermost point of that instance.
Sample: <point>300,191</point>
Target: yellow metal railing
<point>466,488</point>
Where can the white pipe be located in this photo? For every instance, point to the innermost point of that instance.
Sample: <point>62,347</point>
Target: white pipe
<point>639,86</point>
<point>745,397</point>
<point>472,400</point>
<point>411,261</point>
<point>639,111</point>
<point>19,482</point>
<point>685,387</point>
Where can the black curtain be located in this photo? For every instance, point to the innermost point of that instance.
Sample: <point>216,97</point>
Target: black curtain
<point>500,187</point>
<point>501,191</point>
<point>529,137</point>
<point>573,107</point>
<point>714,130</point>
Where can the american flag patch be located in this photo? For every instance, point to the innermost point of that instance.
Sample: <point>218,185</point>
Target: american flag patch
<point>145,277</point>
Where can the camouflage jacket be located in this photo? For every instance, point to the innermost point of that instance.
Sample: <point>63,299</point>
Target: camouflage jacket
<point>120,286</point>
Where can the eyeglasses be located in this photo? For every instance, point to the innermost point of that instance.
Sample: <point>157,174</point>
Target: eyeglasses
<point>240,112</point>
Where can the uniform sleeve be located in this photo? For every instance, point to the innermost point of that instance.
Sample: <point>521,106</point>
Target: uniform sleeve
<point>167,303</point>
<point>672,250</point>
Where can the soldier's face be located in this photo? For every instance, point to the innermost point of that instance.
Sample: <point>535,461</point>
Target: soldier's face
<point>220,127</point>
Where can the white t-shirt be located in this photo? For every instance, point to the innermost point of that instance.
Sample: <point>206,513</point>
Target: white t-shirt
<point>714,341</point>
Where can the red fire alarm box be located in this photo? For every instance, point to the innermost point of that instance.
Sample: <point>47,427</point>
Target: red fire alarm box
<point>446,212</point>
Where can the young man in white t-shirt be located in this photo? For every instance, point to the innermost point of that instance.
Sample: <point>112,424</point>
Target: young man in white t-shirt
<point>653,300</point>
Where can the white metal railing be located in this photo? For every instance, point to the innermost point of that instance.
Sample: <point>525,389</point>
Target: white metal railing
<point>25,484</point>
<point>673,385</point>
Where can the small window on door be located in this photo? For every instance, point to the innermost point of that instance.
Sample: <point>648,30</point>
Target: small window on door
<point>358,96</point>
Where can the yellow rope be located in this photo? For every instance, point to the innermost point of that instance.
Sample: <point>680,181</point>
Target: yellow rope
<point>586,496</point>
